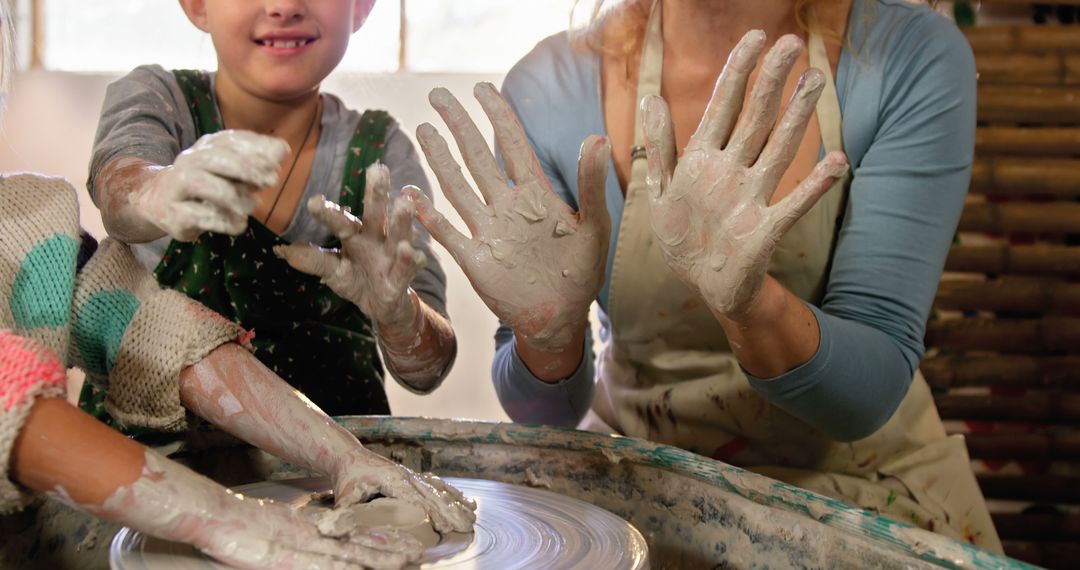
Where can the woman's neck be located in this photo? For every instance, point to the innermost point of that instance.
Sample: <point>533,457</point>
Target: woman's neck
<point>698,28</point>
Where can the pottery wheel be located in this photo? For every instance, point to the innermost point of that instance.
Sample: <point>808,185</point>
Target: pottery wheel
<point>516,527</point>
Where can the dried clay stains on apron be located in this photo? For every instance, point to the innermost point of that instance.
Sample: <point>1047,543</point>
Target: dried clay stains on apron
<point>674,380</point>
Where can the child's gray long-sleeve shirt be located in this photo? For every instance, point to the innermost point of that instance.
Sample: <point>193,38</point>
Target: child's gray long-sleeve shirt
<point>145,115</point>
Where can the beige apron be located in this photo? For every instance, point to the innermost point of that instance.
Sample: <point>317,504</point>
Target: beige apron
<point>669,376</point>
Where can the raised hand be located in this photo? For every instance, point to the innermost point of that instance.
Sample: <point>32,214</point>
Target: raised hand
<point>211,186</point>
<point>536,262</point>
<point>710,211</point>
<point>376,261</point>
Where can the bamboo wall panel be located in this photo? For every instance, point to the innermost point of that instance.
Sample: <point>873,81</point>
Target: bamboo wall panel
<point>1047,218</point>
<point>1058,526</point>
<point>1040,406</point>
<point>1020,68</point>
<point>1025,68</point>
<point>1016,294</point>
<point>1023,259</point>
<point>1058,177</point>
<point>946,371</point>
<point>1039,447</point>
<point>1031,487</point>
<point>1039,142</point>
<point>1072,69</point>
<point>1027,104</point>
<point>1004,348</point>
<point>1048,554</point>
<point>985,39</point>
<point>1023,336</point>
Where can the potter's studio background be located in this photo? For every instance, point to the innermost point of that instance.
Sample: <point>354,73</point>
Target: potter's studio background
<point>1003,359</point>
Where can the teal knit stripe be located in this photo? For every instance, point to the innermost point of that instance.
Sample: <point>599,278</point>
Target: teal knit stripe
<point>99,327</point>
<point>41,293</point>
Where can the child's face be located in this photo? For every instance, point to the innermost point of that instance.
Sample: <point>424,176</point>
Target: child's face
<point>278,49</point>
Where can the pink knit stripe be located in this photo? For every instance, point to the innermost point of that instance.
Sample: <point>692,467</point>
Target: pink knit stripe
<point>24,365</point>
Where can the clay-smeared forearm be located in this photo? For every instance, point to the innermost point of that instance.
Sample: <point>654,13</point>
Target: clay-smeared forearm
<point>233,390</point>
<point>776,335</point>
<point>72,457</point>
<point>373,269</point>
<point>531,400</point>
<point>419,352</point>
<point>557,365</point>
<point>57,446</point>
<point>116,183</point>
<point>209,187</point>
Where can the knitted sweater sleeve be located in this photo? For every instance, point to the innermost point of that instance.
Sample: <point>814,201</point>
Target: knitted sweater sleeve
<point>111,318</point>
<point>28,370</point>
<point>134,337</point>
<point>39,246</point>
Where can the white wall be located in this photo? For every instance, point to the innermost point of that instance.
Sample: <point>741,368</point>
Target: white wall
<point>49,128</point>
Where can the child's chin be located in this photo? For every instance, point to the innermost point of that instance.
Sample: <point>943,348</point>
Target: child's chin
<point>287,90</point>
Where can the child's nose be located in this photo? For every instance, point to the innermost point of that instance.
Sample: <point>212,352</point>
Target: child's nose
<point>286,9</point>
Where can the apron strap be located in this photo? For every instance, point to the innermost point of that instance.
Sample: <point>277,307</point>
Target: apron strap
<point>365,148</point>
<point>198,91</point>
<point>828,105</point>
<point>650,73</point>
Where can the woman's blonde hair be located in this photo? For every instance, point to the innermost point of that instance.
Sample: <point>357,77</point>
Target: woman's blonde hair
<point>7,46</point>
<point>625,21</point>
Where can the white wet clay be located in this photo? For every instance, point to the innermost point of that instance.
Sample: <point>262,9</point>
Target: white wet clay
<point>385,514</point>
<point>534,261</point>
<point>710,211</point>
<point>363,475</point>
<point>174,503</point>
<point>210,187</point>
<point>376,261</point>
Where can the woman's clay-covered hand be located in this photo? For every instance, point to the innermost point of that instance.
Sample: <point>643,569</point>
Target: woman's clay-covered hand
<point>172,502</point>
<point>361,475</point>
<point>211,186</point>
<point>536,262</point>
<point>377,260</point>
<point>710,211</point>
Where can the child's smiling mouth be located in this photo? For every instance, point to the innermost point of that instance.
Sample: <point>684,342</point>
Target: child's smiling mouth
<point>285,43</point>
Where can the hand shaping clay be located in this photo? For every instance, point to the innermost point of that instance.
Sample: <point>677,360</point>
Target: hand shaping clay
<point>385,513</point>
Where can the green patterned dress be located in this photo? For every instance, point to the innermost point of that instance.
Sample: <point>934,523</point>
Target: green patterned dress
<point>318,342</point>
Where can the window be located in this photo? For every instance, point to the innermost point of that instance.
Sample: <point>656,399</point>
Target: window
<point>440,35</point>
<point>478,35</point>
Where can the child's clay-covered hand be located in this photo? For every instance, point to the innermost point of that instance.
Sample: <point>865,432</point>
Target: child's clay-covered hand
<point>211,186</point>
<point>377,260</point>
<point>235,392</point>
<point>362,474</point>
<point>710,212</point>
<point>536,262</point>
<point>174,503</point>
